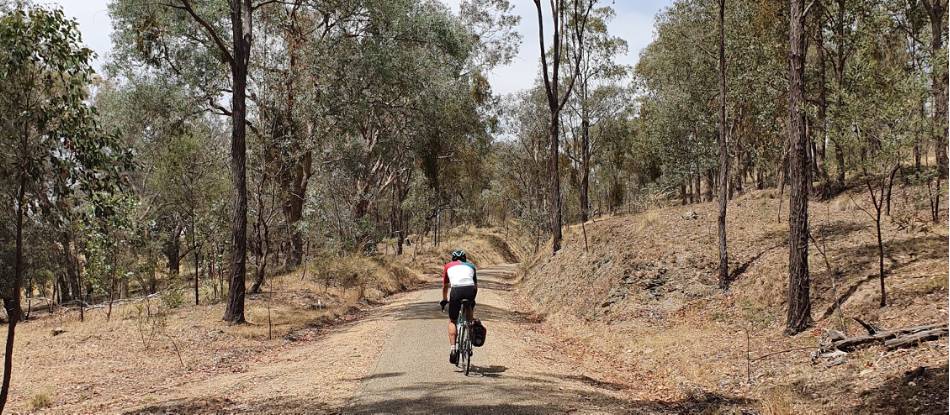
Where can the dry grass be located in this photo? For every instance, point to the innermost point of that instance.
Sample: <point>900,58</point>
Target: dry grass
<point>155,344</point>
<point>647,292</point>
<point>777,401</point>
<point>41,400</point>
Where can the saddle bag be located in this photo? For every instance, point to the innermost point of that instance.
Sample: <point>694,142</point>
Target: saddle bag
<point>479,332</point>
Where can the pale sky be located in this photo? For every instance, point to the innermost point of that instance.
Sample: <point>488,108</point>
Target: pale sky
<point>634,23</point>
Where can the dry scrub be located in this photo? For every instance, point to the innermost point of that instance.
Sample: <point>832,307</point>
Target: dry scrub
<point>164,346</point>
<point>646,297</point>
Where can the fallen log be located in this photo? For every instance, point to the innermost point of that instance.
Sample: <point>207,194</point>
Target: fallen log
<point>914,339</point>
<point>899,337</point>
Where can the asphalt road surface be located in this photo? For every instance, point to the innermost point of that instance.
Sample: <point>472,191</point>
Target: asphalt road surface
<point>514,373</point>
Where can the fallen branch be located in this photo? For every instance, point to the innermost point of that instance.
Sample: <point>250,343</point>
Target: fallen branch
<point>914,339</point>
<point>890,338</point>
<point>872,329</point>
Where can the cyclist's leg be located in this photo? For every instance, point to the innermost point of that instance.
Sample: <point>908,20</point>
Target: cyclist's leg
<point>452,333</point>
<point>455,306</point>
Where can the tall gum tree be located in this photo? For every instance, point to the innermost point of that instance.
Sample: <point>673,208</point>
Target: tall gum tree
<point>798,300</point>
<point>198,41</point>
<point>723,153</point>
<point>562,12</point>
<point>597,97</point>
<point>937,11</point>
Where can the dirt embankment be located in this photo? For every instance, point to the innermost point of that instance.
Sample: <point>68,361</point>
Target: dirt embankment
<point>644,295</point>
<point>149,350</point>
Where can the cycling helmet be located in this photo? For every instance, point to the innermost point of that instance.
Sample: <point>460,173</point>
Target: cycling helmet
<point>458,255</point>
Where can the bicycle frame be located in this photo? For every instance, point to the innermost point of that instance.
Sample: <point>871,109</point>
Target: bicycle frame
<point>463,338</point>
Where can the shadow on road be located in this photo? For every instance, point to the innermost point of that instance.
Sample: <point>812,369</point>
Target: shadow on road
<point>492,371</point>
<point>431,311</point>
<point>438,399</point>
<point>530,398</point>
<point>379,376</point>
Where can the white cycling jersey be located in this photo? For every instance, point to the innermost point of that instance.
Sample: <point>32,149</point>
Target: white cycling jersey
<point>459,274</point>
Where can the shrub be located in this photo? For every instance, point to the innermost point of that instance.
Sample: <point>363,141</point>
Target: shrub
<point>41,400</point>
<point>173,297</point>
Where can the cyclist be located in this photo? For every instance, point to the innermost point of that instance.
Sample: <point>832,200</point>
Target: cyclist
<point>459,274</point>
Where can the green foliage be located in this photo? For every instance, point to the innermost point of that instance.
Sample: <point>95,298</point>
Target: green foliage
<point>173,296</point>
<point>52,146</point>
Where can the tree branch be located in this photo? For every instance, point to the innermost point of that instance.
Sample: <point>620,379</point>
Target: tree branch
<point>544,59</point>
<point>186,6</point>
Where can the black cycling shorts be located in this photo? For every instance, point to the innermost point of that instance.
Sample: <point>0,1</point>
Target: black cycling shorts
<point>456,296</point>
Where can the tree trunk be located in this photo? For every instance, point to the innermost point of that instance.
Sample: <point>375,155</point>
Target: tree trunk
<point>68,284</point>
<point>699,187</point>
<point>111,284</point>
<point>822,142</point>
<point>840,75</point>
<point>799,304</point>
<point>172,251</point>
<point>294,209</point>
<point>723,154</point>
<point>241,39</point>
<point>936,9</point>
<point>880,255</point>
<point>689,188</point>
<point>402,192</point>
<point>302,169</point>
<point>11,300</point>
<point>585,169</point>
<point>839,164</point>
<point>555,100</point>
<point>263,247</point>
<point>194,251</point>
<point>555,177</point>
<point>890,188</point>
<point>917,138</point>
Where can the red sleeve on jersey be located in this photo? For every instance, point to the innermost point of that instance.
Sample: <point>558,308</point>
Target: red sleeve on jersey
<point>445,273</point>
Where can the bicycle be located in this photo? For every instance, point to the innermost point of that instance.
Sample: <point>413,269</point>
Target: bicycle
<point>463,340</point>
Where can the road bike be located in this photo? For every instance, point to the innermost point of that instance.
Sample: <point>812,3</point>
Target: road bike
<point>463,341</point>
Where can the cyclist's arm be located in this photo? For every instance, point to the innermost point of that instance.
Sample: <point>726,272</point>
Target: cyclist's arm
<point>445,284</point>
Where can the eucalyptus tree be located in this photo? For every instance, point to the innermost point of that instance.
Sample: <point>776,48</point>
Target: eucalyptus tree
<point>937,11</point>
<point>676,80</point>
<point>206,46</point>
<point>929,56</point>
<point>799,284</point>
<point>886,134</point>
<point>723,153</point>
<point>843,18</point>
<point>573,17</point>
<point>598,96</point>
<point>51,143</point>
<point>526,122</point>
<point>181,180</point>
<point>293,75</point>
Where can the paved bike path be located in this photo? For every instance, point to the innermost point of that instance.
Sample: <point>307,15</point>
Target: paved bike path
<point>514,373</point>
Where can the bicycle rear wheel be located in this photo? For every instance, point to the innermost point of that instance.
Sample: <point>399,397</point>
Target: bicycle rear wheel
<point>468,353</point>
<point>463,351</point>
